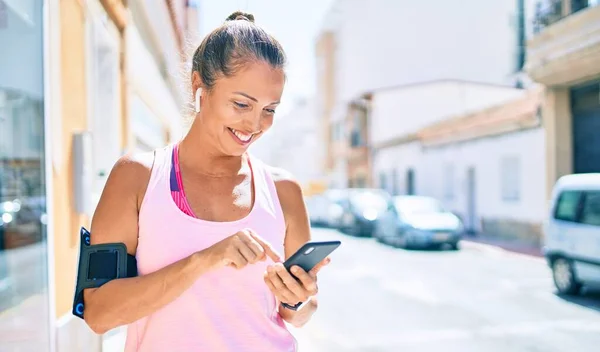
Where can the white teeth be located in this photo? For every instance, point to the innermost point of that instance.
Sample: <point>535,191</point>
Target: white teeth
<point>242,136</point>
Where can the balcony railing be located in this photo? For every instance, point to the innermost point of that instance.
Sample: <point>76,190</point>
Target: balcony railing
<point>548,12</point>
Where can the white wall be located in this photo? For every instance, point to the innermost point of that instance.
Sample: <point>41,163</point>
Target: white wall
<point>294,144</point>
<point>404,110</point>
<point>382,43</point>
<point>485,156</point>
<point>402,158</point>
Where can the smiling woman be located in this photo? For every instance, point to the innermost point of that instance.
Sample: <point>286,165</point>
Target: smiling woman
<point>207,221</point>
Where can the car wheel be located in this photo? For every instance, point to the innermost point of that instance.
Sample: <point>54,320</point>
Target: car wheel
<point>564,277</point>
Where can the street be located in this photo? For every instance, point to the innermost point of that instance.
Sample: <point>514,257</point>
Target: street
<point>377,298</point>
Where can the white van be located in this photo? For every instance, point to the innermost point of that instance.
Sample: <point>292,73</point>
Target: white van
<point>572,233</point>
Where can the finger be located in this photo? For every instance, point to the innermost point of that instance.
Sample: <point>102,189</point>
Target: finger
<point>280,287</point>
<point>238,261</point>
<point>269,251</point>
<point>253,244</point>
<point>319,266</point>
<point>308,282</point>
<point>292,284</point>
<point>272,288</point>
<point>248,254</point>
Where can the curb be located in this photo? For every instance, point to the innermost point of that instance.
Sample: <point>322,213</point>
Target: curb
<point>497,249</point>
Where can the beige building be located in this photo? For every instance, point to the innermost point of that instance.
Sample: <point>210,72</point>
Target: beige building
<point>564,55</point>
<point>331,132</point>
<point>82,82</point>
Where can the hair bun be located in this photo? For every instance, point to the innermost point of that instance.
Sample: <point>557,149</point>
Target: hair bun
<point>241,16</point>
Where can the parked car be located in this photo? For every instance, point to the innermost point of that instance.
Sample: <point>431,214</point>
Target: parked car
<point>572,233</point>
<point>417,221</point>
<point>361,208</point>
<point>316,207</point>
<point>324,209</point>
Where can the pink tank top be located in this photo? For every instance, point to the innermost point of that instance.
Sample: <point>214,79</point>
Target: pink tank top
<point>226,309</point>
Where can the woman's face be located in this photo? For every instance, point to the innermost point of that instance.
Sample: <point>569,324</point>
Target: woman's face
<point>240,108</point>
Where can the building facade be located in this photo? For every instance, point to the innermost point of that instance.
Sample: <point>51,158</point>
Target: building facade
<point>487,166</point>
<point>399,113</point>
<point>564,54</point>
<point>79,86</point>
<point>360,51</point>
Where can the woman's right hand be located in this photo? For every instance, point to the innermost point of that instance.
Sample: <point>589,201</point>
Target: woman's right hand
<point>240,249</point>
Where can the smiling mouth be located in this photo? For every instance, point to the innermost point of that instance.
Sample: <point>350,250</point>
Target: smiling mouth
<point>241,137</point>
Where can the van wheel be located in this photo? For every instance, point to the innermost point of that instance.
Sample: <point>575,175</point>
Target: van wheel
<point>564,277</point>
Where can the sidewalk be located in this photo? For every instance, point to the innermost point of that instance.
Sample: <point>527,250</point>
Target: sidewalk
<point>114,340</point>
<point>509,245</point>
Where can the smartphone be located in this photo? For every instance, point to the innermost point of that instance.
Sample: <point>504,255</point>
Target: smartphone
<point>307,257</point>
<point>310,254</point>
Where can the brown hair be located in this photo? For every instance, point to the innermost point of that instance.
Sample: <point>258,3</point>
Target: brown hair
<point>235,43</point>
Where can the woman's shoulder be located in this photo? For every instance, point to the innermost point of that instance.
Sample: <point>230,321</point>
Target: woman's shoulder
<point>289,190</point>
<point>134,165</point>
<point>131,173</point>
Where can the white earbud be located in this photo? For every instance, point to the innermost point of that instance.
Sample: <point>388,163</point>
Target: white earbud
<point>197,102</point>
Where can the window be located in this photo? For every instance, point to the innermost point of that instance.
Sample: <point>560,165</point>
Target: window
<point>567,206</point>
<point>356,139</point>
<point>510,178</point>
<point>590,213</point>
<point>23,219</point>
<point>104,101</point>
<point>149,130</point>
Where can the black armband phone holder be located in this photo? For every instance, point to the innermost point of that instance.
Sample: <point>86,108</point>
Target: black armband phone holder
<point>99,264</point>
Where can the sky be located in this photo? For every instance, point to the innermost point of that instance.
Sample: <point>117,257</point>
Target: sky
<point>294,23</point>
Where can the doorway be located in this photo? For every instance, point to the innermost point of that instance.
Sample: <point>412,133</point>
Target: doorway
<point>471,220</point>
<point>585,106</point>
<point>410,182</point>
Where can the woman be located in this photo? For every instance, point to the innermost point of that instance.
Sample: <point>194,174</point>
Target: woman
<point>206,221</point>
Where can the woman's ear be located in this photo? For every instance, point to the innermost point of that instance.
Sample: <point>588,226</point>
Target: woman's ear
<point>197,100</point>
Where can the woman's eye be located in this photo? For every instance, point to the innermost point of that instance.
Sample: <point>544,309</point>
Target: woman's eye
<point>270,111</point>
<point>240,105</point>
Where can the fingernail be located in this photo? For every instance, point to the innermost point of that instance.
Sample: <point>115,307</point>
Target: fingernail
<point>295,269</point>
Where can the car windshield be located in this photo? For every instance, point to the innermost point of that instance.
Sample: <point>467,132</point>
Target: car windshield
<point>412,205</point>
<point>367,200</point>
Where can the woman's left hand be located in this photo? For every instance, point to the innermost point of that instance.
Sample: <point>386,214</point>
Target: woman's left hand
<point>287,288</point>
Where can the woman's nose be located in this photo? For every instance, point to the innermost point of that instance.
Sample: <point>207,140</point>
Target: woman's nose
<point>253,124</point>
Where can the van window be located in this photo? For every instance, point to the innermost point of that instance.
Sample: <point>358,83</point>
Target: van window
<point>590,214</point>
<point>567,206</point>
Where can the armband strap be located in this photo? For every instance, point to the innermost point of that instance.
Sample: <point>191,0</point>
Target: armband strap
<point>296,307</point>
<point>99,264</point>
